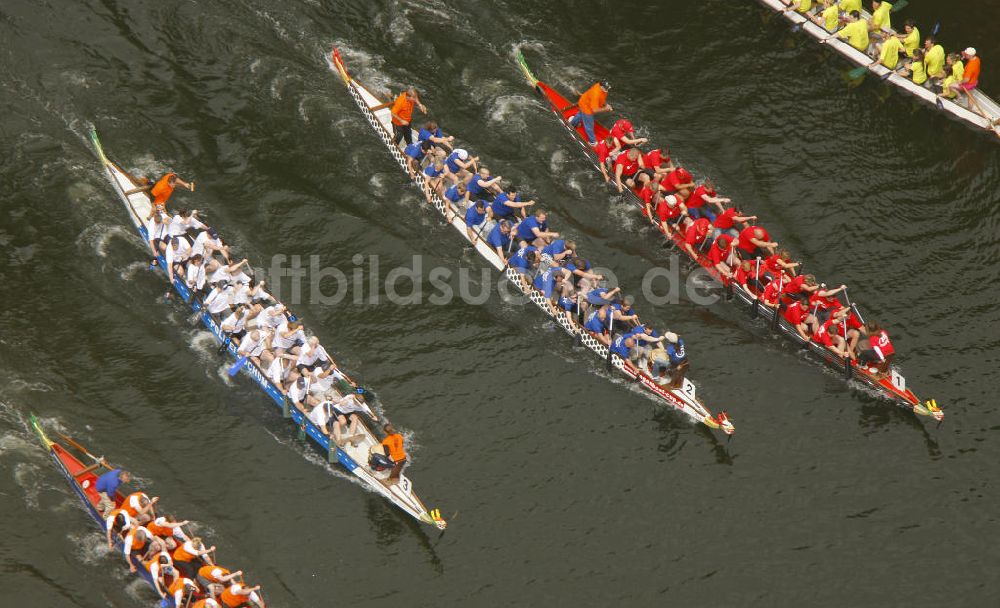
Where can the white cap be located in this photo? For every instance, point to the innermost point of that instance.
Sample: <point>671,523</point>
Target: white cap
<point>671,337</point>
<point>671,200</point>
<point>971,52</point>
<point>462,153</point>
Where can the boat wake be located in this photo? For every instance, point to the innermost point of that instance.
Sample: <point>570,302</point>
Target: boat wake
<point>508,111</point>
<point>91,547</point>
<point>99,237</point>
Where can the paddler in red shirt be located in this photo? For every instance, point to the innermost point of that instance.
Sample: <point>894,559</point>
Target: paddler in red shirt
<point>655,161</point>
<point>624,134</point>
<point>702,196</point>
<point>626,166</point>
<point>826,334</point>
<point>670,211</point>
<point>780,263</point>
<point>679,181</point>
<point>876,348</point>
<point>606,149</point>
<point>725,222</point>
<point>722,255</point>
<point>796,316</point>
<point>695,236</point>
<point>754,241</point>
<point>822,302</point>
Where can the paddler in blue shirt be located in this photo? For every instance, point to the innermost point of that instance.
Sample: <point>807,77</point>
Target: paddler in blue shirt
<point>458,163</point>
<point>559,249</point>
<point>535,230</point>
<point>482,185</point>
<point>474,218</point>
<point>524,258</point>
<point>499,238</point>
<point>508,204</point>
<point>676,362</point>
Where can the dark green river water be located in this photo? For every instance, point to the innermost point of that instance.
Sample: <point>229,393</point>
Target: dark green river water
<point>564,486</point>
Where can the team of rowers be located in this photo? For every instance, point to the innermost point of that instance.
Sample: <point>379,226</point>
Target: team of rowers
<point>265,332</point>
<point>725,239</point>
<point>547,263</point>
<point>950,75</point>
<point>182,569</point>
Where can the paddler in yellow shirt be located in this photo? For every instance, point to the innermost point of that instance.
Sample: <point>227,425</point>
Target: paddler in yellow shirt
<point>911,39</point>
<point>855,32</point>
<point>955,70</point>
<point>829,18</point>
<point>916,68</point>
<point>934,57</point>
<point>880,17</point>
<point>889,53</point>
<point>801,6</point>
<point>849,6</point>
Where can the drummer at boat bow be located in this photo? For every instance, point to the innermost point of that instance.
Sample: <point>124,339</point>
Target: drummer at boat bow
<point>390,453</point>
<point>107,487</point>
<point>161,191</point>
<point>593,101</point>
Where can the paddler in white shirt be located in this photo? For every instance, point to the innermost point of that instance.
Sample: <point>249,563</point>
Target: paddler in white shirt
<point>177,254</point>
<point>195,277</point>
<point>232,272</point>
<point>256,347</point>
<point>346,412</point>
<point>208,242</point>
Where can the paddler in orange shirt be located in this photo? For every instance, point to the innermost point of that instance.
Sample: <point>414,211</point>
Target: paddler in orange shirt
<point>593,100</point>
<point>402,116</point>
<point>393,447</point>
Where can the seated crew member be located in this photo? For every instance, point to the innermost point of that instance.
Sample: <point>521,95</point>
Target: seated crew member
<point>207,243</point>
<point>970,80</point>
<point>194,277</point>
<point>393,455</point>
<point>795,313</point>
<point>823,302</point>
<point>598,321</point>
<point>182,590</point>
<point>855,32</point>
<point>801,6</point>
<point>846,6</point>
<point>524,257</point>
<point>183,222</point>
<point>705,193</point>
<point>679,182</point>
<point>881,20</point>
<point>826,336</point>
<point>623,134</point>
<point>754,241</point>
<point>695,237</point>
<point>499,238</point>
<point>627,165</point>
<point>345,416</point>
<point>508,205</point>
<point>138,545</point>
<point>168,530</point>
<point>876,348</point>
<point>934,58</point>
<point>140,507</point>
<point>889,53</point>
<point>206,603</point>
<point>829,17</point>
<point>237,595</point>
<point>607,150</point>
<point>214,578</point>
<point>287,337</point>
<point>158,235</point>
<point>592,101</point>
<point>162,572</point>
<point>915,68</point>
<point>482,185</point>
<point>455,197</point>
<point>415,154</point>
<point>535,230</point>
<point>432,133</point>
<point>678,361</point>
<point>910,37</point>
<point>189,555</point>
<point>106,487</point>
<point>722,254</point>
<point>117,523</point>
<point>780,262</point>
<point>670,211</point>
<point>458,163</point>
<point>475,220</point>
<point>559,249</point>
<point>725,222</point>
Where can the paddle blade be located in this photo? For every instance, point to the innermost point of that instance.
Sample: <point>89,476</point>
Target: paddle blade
<point>235,369</point>
<point>857,73</point>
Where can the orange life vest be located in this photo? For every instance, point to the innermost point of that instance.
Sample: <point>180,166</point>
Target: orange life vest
<point>403,108</point>
<point>181,555</point>
<point>205,572</point>
<point>395,444</point>
<point>163,189</point>
<point>179,584</point>
<point>127,503</point>
<point>205,603</point>
<point>161,531</point>
<point>139,540</point>
<point>232,600</point>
